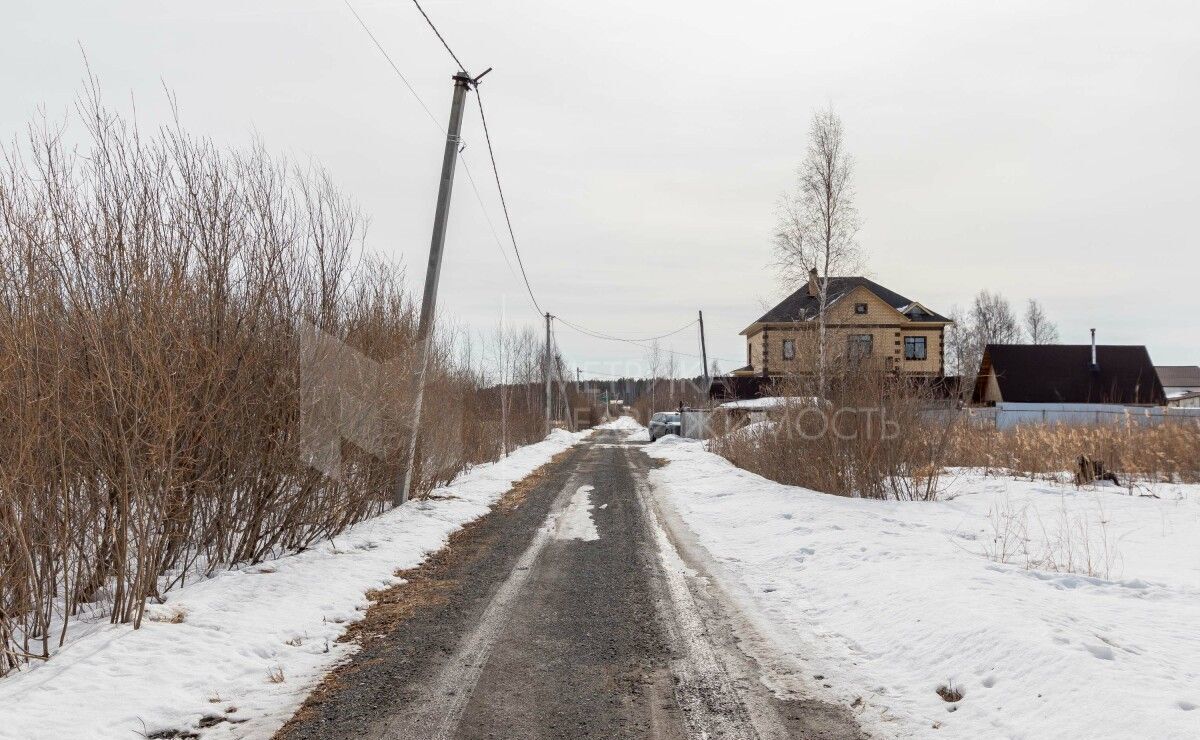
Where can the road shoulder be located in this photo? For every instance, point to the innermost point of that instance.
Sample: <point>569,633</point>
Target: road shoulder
<point>410,626</point>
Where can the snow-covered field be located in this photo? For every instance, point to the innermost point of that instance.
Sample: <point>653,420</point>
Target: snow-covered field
<point>889,601</point>
<point>246,645</point>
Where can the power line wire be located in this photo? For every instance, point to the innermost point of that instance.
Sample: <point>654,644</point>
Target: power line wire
<point>607,375</point>
<point>503,201</point>
<point>482,207</point>
<point>643,346</point>
<point>433,119</point>
<point>395,69</point>
<point>602,335</point>
<point>462,67</point>
<point>499,187</point>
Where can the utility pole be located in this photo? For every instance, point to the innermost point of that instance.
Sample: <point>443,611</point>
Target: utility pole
<point>547,362</point>
<point>578,380</point>
<point>562,389</point>
<point>703,351</point>
<point>433,271</point>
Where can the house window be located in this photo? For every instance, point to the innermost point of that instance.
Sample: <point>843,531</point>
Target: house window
<point>914,348</point>
<point>860,308</point>
<point>789,349</point>
<point>859,345</point>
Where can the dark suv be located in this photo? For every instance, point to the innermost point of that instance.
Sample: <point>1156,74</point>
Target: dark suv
<point>663,423</point>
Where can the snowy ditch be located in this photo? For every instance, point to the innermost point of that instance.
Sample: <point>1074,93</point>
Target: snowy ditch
<point>1009,608</point>
<point>241,650</point>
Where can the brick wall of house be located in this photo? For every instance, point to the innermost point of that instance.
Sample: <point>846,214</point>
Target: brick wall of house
<point>886,328</point>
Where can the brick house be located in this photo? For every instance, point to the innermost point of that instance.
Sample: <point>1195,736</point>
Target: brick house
<point>863,319</point>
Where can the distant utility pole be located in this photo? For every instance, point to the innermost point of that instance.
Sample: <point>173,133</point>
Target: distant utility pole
<point>547,361</point>
<point>462,82</point>
<point>578,379</point>
<point>562,389</point>
<point>703,350</point>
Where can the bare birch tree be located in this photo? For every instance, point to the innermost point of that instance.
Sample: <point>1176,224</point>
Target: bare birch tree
<point>990,320</point>
<point>818,223</point>
<point>993,320</point>
<point>654,361</point>
<point>1038,326</point>
<point>672,370</point>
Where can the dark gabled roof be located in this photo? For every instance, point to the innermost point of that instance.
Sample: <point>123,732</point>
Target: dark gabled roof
<point>1062,373</point>
<point>800,306</point>
<point>733,388</point>
<point>1184,376</point>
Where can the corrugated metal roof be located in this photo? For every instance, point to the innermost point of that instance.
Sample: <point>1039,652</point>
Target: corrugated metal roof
<point>1180,376</point>
<point>1063,373</point>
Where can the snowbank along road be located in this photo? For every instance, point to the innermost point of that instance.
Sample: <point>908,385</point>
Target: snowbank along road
<point>578,610</point>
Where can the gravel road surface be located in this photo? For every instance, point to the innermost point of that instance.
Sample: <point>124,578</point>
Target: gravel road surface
<point>578,610</point>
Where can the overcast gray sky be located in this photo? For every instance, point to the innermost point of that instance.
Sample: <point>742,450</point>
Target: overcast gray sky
<point>1044,150</point>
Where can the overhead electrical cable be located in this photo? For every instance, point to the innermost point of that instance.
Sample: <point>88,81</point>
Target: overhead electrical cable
<point>503,201</point>
<point>441,38</point>
<point>638,342</point>
<point>491,226</point>
<point>602,335</point>
<point>433,119</point>
<point>395,69</point>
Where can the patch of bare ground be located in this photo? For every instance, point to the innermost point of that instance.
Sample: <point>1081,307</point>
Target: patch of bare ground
<point>425,586</point>
<point>656,462</point>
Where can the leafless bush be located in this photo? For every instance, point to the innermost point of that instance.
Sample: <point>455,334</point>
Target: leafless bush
<point>152,292</point>
<point>869,437</point>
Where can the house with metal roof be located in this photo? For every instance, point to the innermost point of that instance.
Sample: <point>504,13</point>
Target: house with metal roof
<point>1179,380</point>
<point>863,319</point>
<point>1068,374</point>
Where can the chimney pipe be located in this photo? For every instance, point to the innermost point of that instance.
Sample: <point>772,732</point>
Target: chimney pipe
<point>814,287</point>
<point>1095,364</point>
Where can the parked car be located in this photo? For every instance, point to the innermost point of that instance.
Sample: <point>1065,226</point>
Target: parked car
<point>664,423</point>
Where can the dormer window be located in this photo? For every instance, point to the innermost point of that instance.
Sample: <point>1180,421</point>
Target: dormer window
<point>860,308</point>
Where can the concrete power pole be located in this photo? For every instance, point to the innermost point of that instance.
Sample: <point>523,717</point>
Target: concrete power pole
<point>547,362</point>
<point>703,350</point>
<point>462,82</point>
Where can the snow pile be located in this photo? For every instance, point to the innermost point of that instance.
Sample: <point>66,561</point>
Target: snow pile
<point>891,601</point>
<point>622,423</point>
<point>246,645</point>
<point>639,435</point>
<point>773,402</point>
<point>636,432</point>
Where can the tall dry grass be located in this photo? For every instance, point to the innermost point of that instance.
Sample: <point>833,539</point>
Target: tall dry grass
<point>153,289</point>
<point>879,437</point>
<point>1166,453</point>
